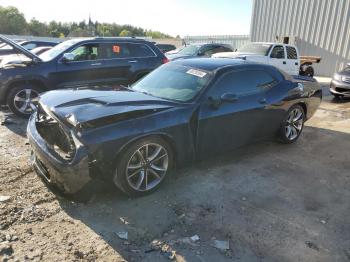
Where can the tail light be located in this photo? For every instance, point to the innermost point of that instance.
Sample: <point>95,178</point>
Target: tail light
<point>165,60</point>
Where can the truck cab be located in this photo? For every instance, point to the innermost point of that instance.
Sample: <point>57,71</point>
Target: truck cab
<point>283,56</point>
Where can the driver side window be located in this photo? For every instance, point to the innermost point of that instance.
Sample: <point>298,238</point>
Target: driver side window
<point>86,52</point>
<point>278,52</point>
<point>243,83</point>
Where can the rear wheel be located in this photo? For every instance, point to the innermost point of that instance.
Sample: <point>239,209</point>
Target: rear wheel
<point>292,125</point>
<point>309,71</point>
<point>22,98</point>
<point>143,166</point>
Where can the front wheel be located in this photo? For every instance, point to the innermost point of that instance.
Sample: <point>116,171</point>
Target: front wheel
<point>143,166</point>
<point>21,99</point>
<point>292,125</point>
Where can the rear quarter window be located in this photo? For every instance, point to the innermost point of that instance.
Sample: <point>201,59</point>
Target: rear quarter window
<point>291,52</point>
<point>140,50</point>
<point>244,82</point>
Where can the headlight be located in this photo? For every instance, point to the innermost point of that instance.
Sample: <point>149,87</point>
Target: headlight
<point>337,77</point>
<point>345,79</point>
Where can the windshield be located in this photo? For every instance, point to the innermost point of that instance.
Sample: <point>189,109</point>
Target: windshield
<point>173,82</point>
<point>58,49</point>
<point>189,50</point>
<point>259,49</point>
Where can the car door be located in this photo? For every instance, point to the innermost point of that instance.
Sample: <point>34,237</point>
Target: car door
<point>278,58</point>
<point>293,63</point>
<point>85,69</point>
<point>125,62</point>
<point>226,125</point>
<point>117,63</point>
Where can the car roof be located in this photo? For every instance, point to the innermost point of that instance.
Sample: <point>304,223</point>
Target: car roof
<point>127,39</point>
<point>210,64</point>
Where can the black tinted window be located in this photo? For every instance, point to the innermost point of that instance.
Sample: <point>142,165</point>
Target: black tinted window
<point>291,52</point>
<point>116,50</point>
<point>207,50</point>
<point>140,50</point>
<point>244,82</point>
<point>278,52</point>
<point>127,50</point>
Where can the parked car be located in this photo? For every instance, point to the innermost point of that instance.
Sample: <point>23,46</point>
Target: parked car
<point>283,56</point>
<point>41,49</point>
<point>7,49</point>
<point>183,111</point>
<point>20,58</point>
<point>199,50</point>
<point>175,51</point>
<point>166,47</point>
<point>340,84</point>
<point>77,62</point>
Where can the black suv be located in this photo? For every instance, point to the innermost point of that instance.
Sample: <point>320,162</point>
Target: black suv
<point>75,63</point>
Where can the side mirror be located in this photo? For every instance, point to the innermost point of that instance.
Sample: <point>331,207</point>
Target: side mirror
<point>228,98</point>
<point>68,57</point>
<point>200,53</point>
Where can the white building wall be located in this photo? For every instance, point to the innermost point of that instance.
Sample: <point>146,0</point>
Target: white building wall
<point>318,27</point>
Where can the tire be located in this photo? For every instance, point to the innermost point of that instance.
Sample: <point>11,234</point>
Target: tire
<point>292,125</point>
<point>309,71</point>
<point>21,97</point>
<point>143,166</point>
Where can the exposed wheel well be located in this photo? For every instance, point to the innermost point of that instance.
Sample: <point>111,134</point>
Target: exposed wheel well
<point>303,105</point>
<point>33,82</point>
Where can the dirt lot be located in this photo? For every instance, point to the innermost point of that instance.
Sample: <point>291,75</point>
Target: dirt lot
<point>271,202</point>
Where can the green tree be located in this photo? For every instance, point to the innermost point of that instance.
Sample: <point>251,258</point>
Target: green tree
<point>12,21</point>
<point>37,28</point>
<point>125,33</point>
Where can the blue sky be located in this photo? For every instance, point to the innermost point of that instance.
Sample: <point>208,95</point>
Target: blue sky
<point>176,17</point>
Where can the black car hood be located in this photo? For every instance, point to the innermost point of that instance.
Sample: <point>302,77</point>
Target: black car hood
<point>19,48</point>
<point>86,108</point>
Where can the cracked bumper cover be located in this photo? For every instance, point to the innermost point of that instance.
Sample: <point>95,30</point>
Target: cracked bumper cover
<point>336,85</point>
<point>70,177</point>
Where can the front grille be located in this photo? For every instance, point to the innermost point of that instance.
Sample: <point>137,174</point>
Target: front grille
<point>58,139</point>
<point>342,90</point>
<point>346,79</point>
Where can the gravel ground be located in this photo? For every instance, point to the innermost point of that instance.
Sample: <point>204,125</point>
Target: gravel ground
<point>269,202</point>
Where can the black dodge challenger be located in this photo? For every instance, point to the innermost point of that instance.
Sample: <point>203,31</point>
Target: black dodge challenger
<point>181,112</point>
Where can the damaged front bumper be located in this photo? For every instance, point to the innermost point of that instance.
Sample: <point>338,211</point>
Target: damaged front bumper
<point>70,177</point>
<point>340,88</point>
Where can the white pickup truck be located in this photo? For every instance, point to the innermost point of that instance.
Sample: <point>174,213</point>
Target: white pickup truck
<point>282,56</point>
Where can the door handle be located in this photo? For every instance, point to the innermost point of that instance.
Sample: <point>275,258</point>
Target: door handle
<point>284,62</point>
<point>132,61</point>
<point>262,101</point>
<point>96,64</point>
<point>296,63</point>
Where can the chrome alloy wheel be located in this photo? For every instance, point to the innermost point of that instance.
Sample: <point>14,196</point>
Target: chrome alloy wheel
<point>24,100</point>
<point>147,167</point>
<point>294,123</point>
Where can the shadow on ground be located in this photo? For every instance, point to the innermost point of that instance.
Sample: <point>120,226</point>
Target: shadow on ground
<point>270,201</point>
